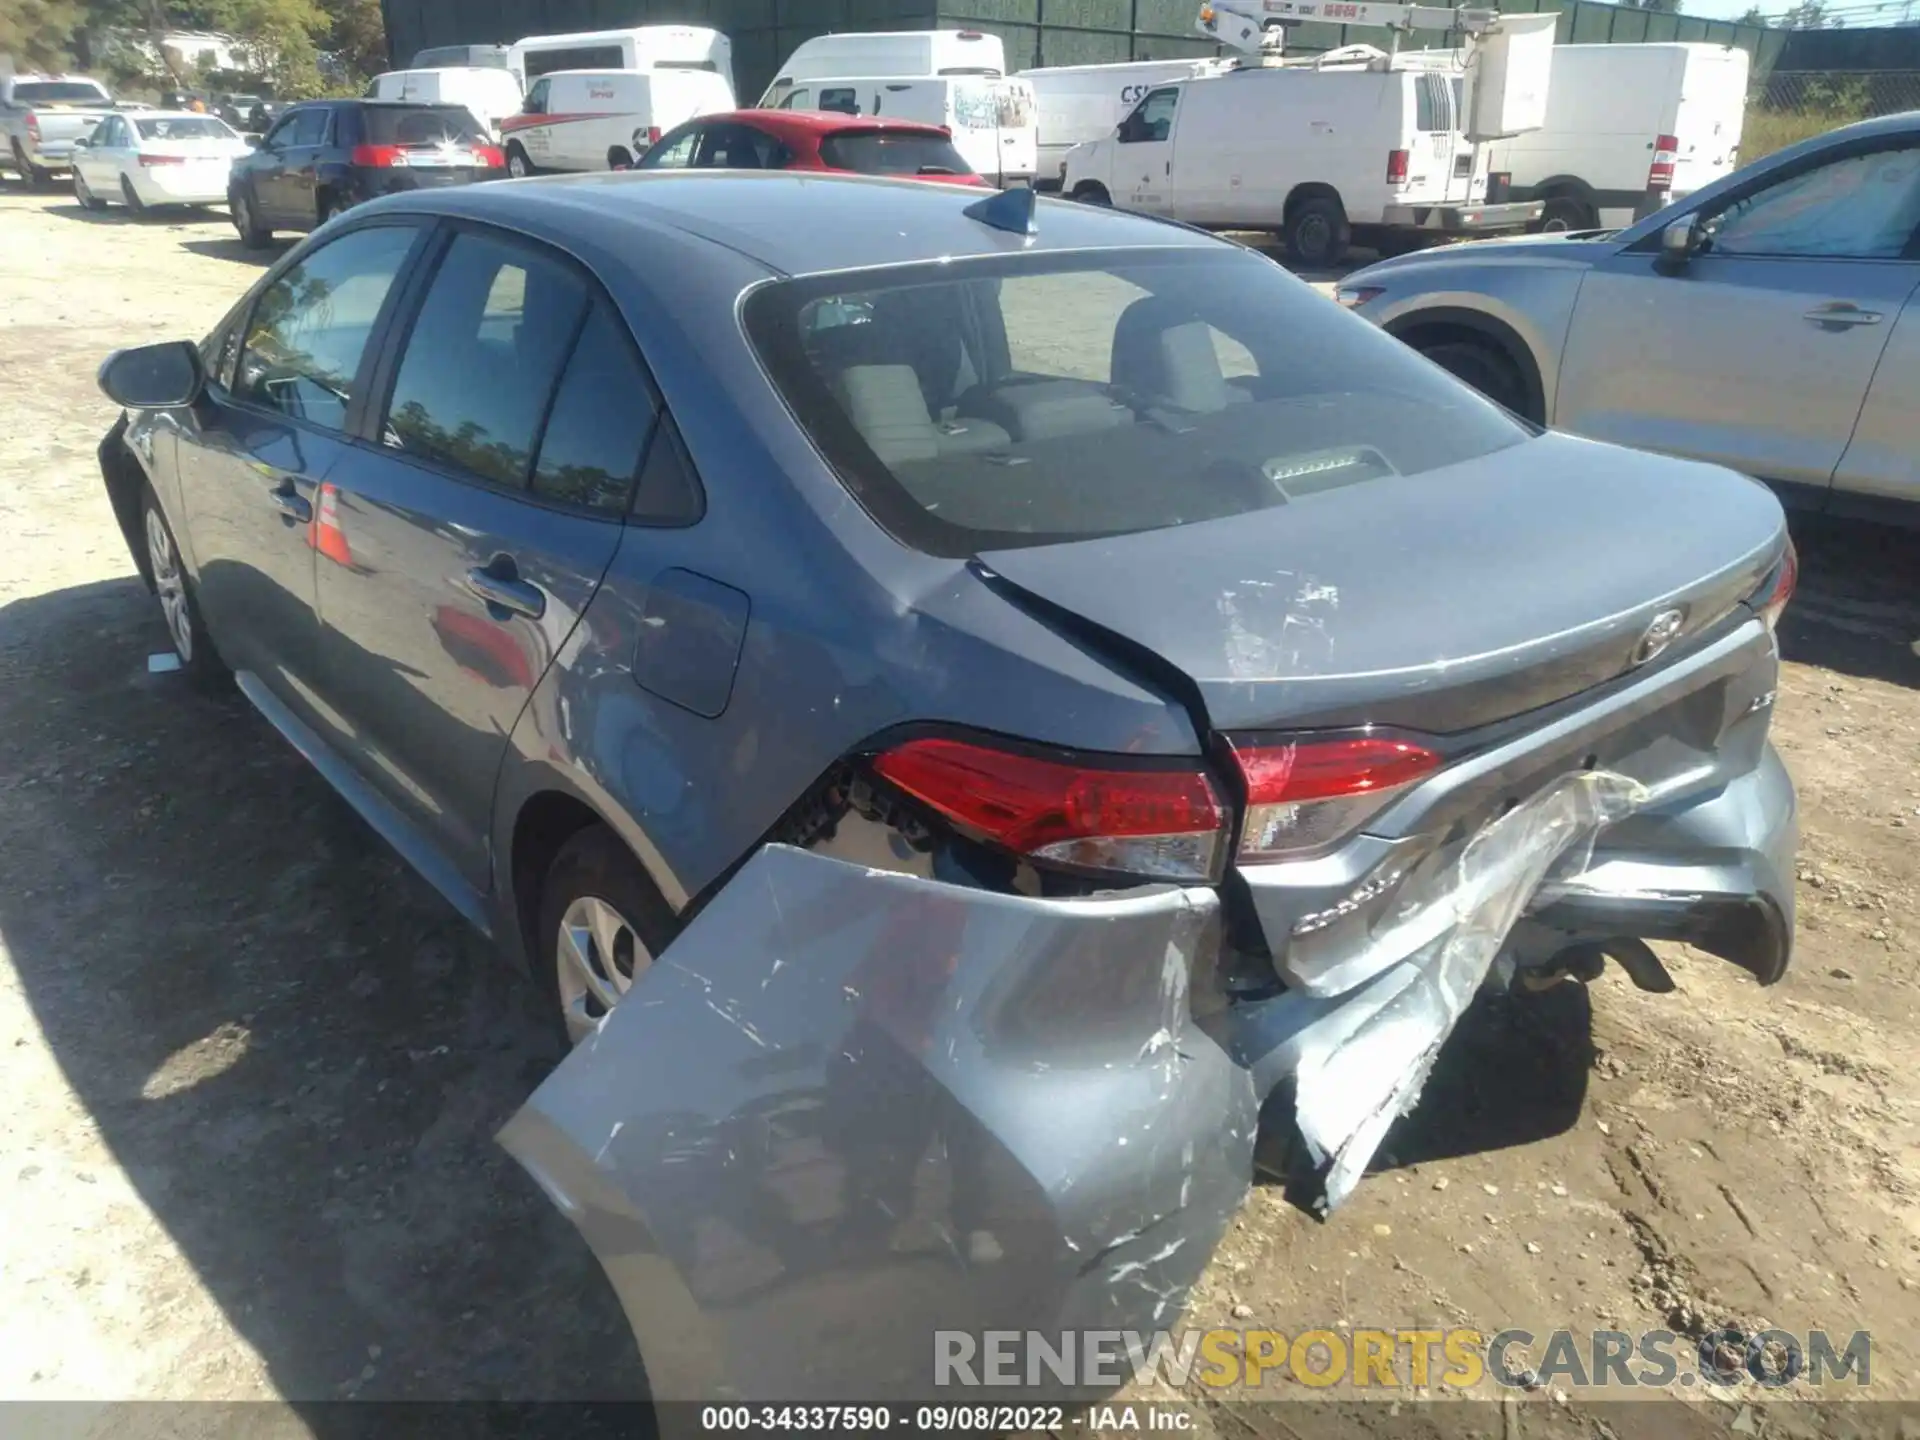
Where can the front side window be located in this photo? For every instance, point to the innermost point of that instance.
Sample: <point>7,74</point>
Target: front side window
<point>309,128</point>
<point>482,358</point>
<point>675,152</point>
<point>536,103</point>
<point>841,98</point>
<point>1863,207</point>
<point>310,327</point>
<point>602,416</point>
<point>797,100</point>
<point>1025,400</point>
<point>1152,120</point>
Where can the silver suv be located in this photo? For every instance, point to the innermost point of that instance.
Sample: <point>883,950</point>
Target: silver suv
<point>1768,323</point>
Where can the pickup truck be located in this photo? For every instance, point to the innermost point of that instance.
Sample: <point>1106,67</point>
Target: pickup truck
<point>40,118</point>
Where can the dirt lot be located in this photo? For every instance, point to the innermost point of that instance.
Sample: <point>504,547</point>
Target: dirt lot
<point>257,1065</point>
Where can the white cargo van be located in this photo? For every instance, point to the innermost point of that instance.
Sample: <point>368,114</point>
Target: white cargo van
<point>1373,153</point>
<point>490,93</point>
<point>1629,128</point>
<point>604,119</point>
<point>991,118</point>
<point>1077,103</point>
<point>644,47</point>
<point>896,53</point>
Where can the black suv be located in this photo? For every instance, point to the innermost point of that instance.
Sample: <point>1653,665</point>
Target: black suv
<point>325,155</point>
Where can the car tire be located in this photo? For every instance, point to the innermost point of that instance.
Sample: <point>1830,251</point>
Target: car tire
<point>81,192</point>
<point>1089,193</point>
<point>1317,233</point>
<point>200,662</point>
<point>324,209</point>
<point>1483,367</point>
<point>136,207</point>
<point>252,234</point>
<point>602,923</point>
<point>37,177</point>
<point>1565,213</point>
<point>619,158</point>
<point>518,165</point>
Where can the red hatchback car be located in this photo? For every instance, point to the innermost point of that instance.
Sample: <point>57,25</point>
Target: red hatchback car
<point>810,140</point>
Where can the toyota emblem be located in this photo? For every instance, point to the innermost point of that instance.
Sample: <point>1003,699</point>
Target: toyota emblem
<point>1661,632</point>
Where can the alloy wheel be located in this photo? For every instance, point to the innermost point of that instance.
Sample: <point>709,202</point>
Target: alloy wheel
<point>170,585</point>
<point>599,956</point>
<point>517,165</point>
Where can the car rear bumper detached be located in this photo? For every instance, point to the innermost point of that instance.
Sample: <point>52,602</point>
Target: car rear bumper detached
<point>1463,219</point>
<point>851,1120</point>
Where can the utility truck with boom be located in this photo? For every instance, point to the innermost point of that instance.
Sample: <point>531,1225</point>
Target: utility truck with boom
<point>1325,150</point>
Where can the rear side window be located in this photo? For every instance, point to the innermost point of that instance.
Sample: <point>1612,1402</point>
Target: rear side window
<point>882,152</point>
<point>484,354</point>
<point>602,417</point>
<point>421,125</point>
<point>1433,103</point>
<point>309,328</point>
<point>1024,400</point>
<point>309,127</point>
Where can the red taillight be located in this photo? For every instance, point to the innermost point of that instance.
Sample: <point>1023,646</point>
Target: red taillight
<point>33,127</point>
<point>1397,166</point>
<point>653,134</point>
<point>152,160</point>
<point>489,156</point>
<point>1666,150</point>
<point>379,155</point>
<point>1164,823</point>
<point>1785,578</point>
<point>1309,794</point>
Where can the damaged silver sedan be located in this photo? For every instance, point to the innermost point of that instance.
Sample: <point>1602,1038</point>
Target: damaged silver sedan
<point>959,704</point>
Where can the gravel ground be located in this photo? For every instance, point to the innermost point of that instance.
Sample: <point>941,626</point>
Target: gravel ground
<point>257,1065</point>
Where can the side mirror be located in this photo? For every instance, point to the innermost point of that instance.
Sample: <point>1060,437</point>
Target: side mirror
<point>166,376</point>
<point>1681,241</point>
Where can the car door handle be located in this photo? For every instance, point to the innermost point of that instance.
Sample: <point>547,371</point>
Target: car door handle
<point>1841,312</point>
<point>291,503</point>
<point>500,585</point>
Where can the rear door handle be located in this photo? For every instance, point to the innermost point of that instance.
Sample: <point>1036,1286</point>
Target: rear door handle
<point>290,502</point>
<point>1841,312</point>
<point>499,585</point>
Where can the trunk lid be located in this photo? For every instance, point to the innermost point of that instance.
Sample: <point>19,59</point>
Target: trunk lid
<point>1437,602</point>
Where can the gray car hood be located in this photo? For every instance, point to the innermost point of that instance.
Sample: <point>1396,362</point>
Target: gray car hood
<point>1440,600</point>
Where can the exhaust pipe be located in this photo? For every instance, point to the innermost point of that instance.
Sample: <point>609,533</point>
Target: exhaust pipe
<point>1583,963</point>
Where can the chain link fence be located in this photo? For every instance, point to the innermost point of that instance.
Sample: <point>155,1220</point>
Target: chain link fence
<point>1792,105</point>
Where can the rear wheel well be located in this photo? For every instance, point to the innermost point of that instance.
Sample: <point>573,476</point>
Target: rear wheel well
<point>1423,332</point>
<point>1312,190</point>
<point>545,823</point>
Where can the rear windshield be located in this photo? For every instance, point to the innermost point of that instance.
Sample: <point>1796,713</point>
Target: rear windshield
<point>1024,400</point>
<point>421,125</point>
<point>881,152</point>
<point>189,127</point>
<point>49,92</point>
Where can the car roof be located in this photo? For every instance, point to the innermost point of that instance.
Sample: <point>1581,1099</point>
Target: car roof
<point>792,222</point>
<point>818,122</point>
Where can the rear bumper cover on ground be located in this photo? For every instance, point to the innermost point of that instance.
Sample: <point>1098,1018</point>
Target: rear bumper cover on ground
<point>850,1109</point>
<point>1462,219</point>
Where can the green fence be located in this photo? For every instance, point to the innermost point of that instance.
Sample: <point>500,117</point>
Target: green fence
<point>1035,32</point>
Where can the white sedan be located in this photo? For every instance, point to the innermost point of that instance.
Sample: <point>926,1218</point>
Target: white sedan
<point>159,157</point>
